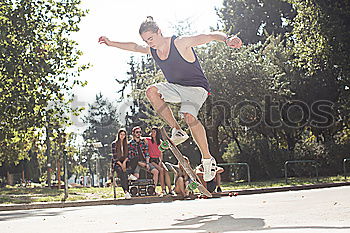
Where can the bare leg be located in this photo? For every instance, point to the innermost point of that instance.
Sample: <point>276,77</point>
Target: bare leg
<point>218,179</point>
<point>161,107</point>
<point>155,173</point>
<point>199,135</point>
<point>167,180</point>
<point>180,186</point>
<point>200,176</point>
<point>161,175</point>
<point>187,192</point>
<point>166,177</point>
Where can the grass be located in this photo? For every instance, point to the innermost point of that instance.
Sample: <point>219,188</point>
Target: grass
<point>21,195</point>
<point>281,183</point>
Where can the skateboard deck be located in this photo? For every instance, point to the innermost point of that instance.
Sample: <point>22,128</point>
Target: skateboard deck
<point>167,143</point>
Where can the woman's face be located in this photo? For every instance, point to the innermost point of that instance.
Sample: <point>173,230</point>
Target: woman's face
<point>152,38</point>
<point>122,135</point>
<point>153,133</point>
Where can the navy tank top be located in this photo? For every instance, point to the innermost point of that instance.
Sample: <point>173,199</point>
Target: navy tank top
<point>179,71</point>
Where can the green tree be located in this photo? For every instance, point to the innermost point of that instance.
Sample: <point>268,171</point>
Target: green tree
<point>243,82</point>
<point>308,64</point>
<point>103,125</point>
<point>251,17</point>
<point>38,64</point>
<point>319,42</point>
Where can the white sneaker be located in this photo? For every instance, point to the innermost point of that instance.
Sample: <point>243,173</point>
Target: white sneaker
<point>162,194</point>
<point>132,177</point>
<point>127,195</point>
<point>178,136</point>
<point>209,169</point>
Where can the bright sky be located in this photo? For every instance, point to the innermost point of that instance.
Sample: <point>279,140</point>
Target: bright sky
<point>119,20</point>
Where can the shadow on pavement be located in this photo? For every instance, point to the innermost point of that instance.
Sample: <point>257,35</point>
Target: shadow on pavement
<point>6,216</point>
<point>225,223</point>
<point>212,223</point>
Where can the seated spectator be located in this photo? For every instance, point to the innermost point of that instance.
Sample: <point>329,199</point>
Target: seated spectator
<point>138,155</point>
<point>156,159</point>
<point>181,179</point>
<point>120,159</point>
<point>214,183</point>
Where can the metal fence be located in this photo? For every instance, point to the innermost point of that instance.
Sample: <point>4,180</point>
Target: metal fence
<point>299,161</point>
<point>238,164</point>
<point>344,166</point>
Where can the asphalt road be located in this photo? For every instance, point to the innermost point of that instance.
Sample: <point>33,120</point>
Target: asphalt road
<point>318,210</point>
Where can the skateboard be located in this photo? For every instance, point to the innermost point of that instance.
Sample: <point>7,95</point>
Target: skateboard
<point>168,144</point>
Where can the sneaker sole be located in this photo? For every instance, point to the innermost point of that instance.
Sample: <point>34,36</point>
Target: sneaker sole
<point>207,179</point>
<point>178,142</point>
<point>210,176</point>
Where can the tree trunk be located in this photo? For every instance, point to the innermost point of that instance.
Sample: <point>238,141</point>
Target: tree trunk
<point>214,145</point>
<point>58,173</point>
<point>23,178</point>
<point>9,178</point>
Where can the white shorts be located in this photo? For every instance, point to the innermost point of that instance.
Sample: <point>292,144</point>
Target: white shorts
<point>191,98</point>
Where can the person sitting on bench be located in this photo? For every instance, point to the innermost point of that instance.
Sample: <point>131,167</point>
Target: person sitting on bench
<point>120,159</point>
<point>138,155</point>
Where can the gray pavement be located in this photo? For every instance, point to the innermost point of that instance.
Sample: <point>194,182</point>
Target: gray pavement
<point>317,210</point>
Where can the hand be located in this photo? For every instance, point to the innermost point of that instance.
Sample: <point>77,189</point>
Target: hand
<point>104,40</point>
<point>234,42</point>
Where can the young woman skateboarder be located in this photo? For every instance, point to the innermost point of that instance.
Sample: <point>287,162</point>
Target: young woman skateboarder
<point>186,84</point>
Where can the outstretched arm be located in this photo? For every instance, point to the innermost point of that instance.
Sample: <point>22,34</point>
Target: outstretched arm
<point>192,41</point>
<point>130,46</point>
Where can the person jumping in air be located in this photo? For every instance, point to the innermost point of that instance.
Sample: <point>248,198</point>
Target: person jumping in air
<point>186,84</point>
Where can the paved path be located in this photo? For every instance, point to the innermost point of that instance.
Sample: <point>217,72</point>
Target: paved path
<point>319,210</point>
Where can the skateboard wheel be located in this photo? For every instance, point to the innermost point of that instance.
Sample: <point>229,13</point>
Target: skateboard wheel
<point>163,146</point>
<point>231,194</point>
<point>192,186</point>
<point>202,196</point>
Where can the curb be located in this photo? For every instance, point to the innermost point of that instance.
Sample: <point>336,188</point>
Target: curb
<point>289,188</point>
<point>119,201</point>
<point>148,200</point>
